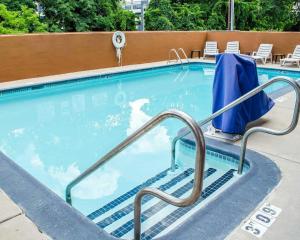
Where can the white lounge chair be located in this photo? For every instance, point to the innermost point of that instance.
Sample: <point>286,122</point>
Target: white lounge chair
<point>233,47</point>
<point>292,57</point>
<point>211,49</point>
<point>264,53</point>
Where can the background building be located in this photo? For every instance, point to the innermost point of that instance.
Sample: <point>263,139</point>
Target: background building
<point>138,7</point>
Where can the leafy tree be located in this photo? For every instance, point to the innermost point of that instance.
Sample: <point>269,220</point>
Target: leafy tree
<point>218,17</point>
<point>189,17</point>
<point>86,15</point>
<point>17,4</point>
<point>23,21</point>
<point>277,15</point>
<point>159,15</point>
<point>124,20</point>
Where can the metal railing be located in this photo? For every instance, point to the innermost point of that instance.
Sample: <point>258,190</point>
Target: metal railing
<point>173,50</point>
<point>178,58</point>
<point>199,166</point>
<point>243,98</point>
<point>195,128</point>
<point>184,54</point>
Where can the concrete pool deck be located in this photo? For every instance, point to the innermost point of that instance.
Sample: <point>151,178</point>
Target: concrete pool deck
<point>282,150</point>
<point>285,152</point>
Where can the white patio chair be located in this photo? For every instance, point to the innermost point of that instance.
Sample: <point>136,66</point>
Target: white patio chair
<point>233,47</point>
<point>264,53</point>
<point>292,57</point>
<point>211,49</point>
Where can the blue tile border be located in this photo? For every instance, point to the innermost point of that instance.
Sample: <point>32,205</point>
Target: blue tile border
<point>130,207</point>
<point>179,212</point>
<point>222,215</point>
<point>127,195</point>
<point>214,222</point>
<point>102,76</point>
<point>129,225</point>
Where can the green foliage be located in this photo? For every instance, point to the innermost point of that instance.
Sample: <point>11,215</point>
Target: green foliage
<point>124,20</point>
<point>17,4</point>
<point>159,15</point>
<point>279,15</point>
<point>86,15</point>
<point>18,16</point>
<point>23,21</point>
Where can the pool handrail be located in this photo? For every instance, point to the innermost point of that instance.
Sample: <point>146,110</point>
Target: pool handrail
<point>176,54</point>
<point>250,131</point>
<point>199,166</point>
<point>184,54</point>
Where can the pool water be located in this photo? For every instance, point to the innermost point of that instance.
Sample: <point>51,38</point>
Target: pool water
<point>56,131</point>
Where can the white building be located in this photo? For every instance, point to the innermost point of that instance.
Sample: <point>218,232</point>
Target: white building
<point>138,7</point>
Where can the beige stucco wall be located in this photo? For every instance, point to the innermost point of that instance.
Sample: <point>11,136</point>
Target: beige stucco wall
<point>34,55</point>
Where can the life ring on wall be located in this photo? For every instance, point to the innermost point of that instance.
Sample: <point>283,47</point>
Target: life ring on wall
<point>119,39</point>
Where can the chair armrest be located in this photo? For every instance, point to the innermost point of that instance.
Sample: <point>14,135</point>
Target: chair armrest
<point>217,50</point>
<point>254,53</point>
<point>289,55</point>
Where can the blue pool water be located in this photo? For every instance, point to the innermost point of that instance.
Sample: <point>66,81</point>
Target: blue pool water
<point>55,132</point>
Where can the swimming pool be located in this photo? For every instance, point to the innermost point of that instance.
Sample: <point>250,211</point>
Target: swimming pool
<point>56,131</point>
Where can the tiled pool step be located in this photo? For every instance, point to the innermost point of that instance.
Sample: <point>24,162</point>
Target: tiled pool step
<point>127,195</point>
<point>129,208</point>
<point>116,217</point>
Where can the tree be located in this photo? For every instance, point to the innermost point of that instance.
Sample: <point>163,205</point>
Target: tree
<point>263,15</point>
<point>23,21</point>
<point>86,15</point>
<point>188,17</point>
<point>159,15</point>
<point>124,20</point>
<point>16,5</point>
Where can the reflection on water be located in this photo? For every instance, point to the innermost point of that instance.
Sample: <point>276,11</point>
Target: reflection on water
<point>103,183</point>
<point>55,133</point>
<point>156,140</point>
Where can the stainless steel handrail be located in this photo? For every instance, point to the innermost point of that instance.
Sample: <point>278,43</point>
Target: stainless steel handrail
<point>199,165</point>
<point>290,128</point>
<point>184,54</point>
<point>243,98</point>
<point>176,54</point>
<point>198,178</point>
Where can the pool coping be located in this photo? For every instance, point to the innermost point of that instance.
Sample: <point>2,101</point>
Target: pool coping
<point>84,75</point>
<point>224,213</point>
<point>39,205</point>
<point>57,219</point>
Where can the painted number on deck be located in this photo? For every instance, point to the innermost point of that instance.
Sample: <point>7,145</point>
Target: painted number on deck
<point>258,224</point>
<point>254,228</point>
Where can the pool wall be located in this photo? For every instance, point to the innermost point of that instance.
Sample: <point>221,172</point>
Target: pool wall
<point>60,221</point>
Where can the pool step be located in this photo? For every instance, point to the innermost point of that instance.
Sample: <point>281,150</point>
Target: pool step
<point>116,217</point>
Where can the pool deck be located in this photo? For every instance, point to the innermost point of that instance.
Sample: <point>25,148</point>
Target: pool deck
<point>283,150</point>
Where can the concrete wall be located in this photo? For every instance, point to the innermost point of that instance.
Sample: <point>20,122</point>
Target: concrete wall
<point>34,55</point>
<point>284,42</point>
<point>27,56</point>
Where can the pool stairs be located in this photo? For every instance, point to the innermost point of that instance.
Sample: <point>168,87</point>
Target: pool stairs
<point>117,216</point>
<point>158,217</point>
